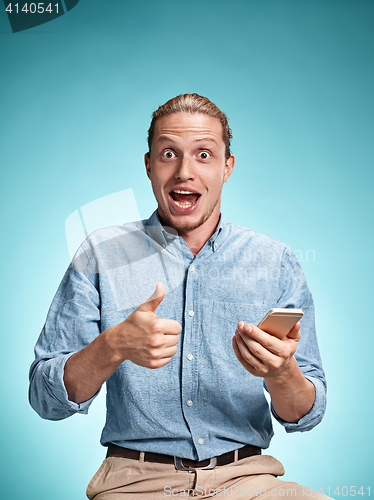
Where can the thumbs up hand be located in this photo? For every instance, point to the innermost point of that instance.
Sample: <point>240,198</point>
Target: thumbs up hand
<point>145,339</point>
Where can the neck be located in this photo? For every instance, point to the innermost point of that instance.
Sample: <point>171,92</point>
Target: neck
<point>195,243</point>
<point>195,239</point>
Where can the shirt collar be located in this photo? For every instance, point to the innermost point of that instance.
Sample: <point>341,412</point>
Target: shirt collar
<point>217,237</point>
<point>157,232</point>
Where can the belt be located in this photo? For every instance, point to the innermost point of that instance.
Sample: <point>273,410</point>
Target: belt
<point>184,463</point>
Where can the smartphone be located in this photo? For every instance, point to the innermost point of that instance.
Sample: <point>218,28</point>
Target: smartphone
<point>279,322</point>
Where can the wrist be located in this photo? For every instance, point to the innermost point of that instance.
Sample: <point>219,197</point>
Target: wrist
<point>109,349</point>
<point>288,372</point>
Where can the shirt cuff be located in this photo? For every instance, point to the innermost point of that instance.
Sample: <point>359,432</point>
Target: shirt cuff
<point>53,381</point>
<point>315,414</point>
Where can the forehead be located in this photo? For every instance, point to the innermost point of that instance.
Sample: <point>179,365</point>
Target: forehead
<point>196,126</point>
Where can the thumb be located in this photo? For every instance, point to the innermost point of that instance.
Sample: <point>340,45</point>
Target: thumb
<point>154,300</point>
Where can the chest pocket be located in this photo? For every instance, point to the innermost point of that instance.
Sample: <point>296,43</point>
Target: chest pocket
<point>224,319</point>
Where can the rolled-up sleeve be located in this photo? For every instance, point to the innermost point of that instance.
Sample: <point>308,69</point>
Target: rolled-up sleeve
<point>313,417</point>
<point>47,392</point>
<point>73,321</point>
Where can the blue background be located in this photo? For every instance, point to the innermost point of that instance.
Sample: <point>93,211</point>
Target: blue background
<point>296,79</point>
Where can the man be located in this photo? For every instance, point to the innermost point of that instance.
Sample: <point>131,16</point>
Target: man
<point>185,369</point>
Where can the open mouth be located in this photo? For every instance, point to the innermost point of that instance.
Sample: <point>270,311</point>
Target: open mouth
<point>184,199</point>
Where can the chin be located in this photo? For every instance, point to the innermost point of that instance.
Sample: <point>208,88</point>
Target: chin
<point>181,223</point>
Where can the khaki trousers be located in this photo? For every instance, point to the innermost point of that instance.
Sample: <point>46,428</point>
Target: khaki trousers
<point>123,478</point>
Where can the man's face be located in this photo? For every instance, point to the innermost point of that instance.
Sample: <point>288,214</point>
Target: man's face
<point>187,168</point>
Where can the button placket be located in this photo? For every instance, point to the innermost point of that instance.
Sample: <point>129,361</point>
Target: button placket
<point>189,374</point>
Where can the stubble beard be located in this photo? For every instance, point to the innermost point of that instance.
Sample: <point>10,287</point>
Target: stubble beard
<point>182,226</point>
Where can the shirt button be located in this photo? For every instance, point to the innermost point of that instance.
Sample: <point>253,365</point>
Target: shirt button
<point>169,237</point>
<point>190,357</point>
<point>192,268</point>
<point>189,403</point>
<point>191,313</point>
<point>201,441</point>
<point>163,245</point>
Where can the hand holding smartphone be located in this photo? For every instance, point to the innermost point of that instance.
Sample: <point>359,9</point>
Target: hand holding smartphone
<point>279,322</point>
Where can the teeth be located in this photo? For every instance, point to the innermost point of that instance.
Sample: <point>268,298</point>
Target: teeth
<point>186,204</point>
<point>180,191</point>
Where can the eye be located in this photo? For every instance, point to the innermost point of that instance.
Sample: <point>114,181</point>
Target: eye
<point>204,155</point>
<point>168,154</point>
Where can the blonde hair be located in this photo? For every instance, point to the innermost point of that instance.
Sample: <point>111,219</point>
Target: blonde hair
<point>192,103</point>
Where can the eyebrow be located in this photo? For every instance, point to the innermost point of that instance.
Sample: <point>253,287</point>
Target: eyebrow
<point>209,139</point>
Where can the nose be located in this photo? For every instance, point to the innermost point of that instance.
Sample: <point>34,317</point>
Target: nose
<point>185,169</point>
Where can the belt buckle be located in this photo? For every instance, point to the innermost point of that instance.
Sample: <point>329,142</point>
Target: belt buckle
<point>178,462</point>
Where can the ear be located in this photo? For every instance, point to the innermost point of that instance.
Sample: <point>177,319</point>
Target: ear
<point>147,165</point>
<point>229,166</point>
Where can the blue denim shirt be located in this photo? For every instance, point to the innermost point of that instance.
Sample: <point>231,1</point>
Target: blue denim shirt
<point>203,403</point>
